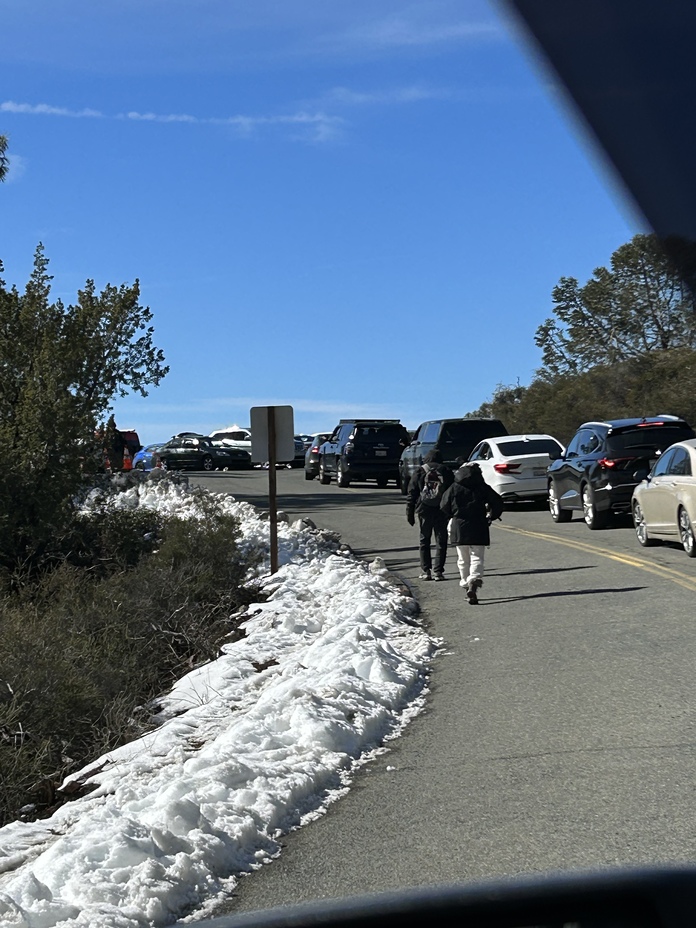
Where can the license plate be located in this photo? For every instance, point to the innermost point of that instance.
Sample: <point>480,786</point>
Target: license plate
<point>380,454</point>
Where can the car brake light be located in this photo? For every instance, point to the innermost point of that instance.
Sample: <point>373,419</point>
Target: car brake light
<point>315,449</point>
<point>606,463</point>
<point>643,425</point>
<point>507,468</point>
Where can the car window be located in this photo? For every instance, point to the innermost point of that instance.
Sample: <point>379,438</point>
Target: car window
<point>663,463</point>
<point>378,433</point>
<point>578,441</point>
<point>430,432</point>
<point>591,443</point>
<point>681,463</point>
<point>533,446</point>
<point>647,437</point>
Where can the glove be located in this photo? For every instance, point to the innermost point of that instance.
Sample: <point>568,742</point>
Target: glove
<point>411,519</point>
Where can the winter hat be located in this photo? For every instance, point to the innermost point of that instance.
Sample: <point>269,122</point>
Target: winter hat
<point>433,457</point>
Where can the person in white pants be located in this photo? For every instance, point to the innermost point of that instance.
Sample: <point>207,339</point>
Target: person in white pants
<point>471,504</point>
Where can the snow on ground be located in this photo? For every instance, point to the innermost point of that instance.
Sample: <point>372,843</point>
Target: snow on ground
<point>249,746</point>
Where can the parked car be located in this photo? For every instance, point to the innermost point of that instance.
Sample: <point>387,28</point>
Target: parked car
<point>234,436</point>
<point>131,440</point>
<point>147,457</point>
<point>300,449</point>
<point>515,465</point>
<point>664,504</point>
<point>199,453</point>
<point>311,463</point>
<point>453,438</point>
<point>363,449</point>
<point>605,461</point>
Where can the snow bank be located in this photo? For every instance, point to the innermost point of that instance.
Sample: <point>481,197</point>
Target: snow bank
<point>248,746</point>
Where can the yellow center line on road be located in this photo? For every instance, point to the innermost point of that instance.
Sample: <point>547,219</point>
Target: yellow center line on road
<point>666,573</point>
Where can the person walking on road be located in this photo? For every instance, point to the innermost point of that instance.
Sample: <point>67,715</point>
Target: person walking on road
<point>470,505</point>
<point>425,493</point>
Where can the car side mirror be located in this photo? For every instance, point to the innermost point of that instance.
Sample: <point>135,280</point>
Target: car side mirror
<point>555,455</point>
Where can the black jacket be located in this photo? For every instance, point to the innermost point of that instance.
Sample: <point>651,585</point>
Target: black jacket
<point>471,504</point>
<point>413,501</point>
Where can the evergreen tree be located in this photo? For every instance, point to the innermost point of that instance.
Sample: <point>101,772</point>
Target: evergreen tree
<point>60,369</point>
<point>639,305</point>
<point>4,160</point>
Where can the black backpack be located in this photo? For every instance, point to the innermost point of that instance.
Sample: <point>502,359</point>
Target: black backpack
<point>433,487</point>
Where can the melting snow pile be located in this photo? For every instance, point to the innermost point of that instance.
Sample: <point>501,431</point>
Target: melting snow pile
<point>249,746</point>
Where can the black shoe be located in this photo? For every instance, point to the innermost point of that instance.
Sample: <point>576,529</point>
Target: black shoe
<point>471,592</point>
<point>439,575</point>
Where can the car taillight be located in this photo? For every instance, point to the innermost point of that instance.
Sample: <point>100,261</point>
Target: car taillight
<point>606,463</point>
<point>315,449</point>
<point>348,447</point>
<point>507,468</point>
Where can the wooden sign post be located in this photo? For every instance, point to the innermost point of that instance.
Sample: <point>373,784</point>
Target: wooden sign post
<point>272,440</point>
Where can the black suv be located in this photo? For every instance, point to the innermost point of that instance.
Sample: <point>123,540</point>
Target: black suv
<point>604,463</point>
<point>363,449</point>
<point>453,438</point>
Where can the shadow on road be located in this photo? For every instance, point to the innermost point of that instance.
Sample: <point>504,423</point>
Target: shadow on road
<point>515,599</point>
<point>538,570</point>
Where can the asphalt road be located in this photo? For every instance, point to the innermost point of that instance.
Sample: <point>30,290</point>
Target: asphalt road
<point>559,731</point>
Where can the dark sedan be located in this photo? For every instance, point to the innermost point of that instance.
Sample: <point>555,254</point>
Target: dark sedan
<point>199,453</point>
<point>311,461</point>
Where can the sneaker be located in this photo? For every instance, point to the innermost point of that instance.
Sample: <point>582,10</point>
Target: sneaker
<point>471,588</point>
<point>439,575</point>
<point>426,575</point>
<point>463,583</point>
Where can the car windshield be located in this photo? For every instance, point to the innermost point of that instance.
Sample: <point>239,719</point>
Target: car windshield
<point>376,206</point>
<point>648,438</point>
<point>532,446</point>
<point>379,433</point>
<point>458,432</point>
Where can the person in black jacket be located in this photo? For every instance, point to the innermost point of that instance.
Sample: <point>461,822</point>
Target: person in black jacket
<point>425,492</point>
<point>470,504</point>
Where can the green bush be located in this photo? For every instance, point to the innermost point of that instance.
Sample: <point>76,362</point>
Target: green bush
<point>137,600</point>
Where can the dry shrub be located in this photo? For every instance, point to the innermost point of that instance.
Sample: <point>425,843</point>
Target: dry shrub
<point>103,633</point>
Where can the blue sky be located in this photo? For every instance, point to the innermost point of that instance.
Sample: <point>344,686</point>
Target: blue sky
<point>352,208</point>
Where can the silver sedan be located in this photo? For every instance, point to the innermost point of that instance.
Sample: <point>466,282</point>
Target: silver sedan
<point>664,504</point>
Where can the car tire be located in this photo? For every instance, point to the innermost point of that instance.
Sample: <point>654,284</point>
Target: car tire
<point>641,529</point>
<point>342,478</point>
<point>594,519</point>
<point>207,463</point>
<point>382,482</point>
<point>403,482</point>
<point>686,533</point>
<point>323,476</point>
<point>308,476</point>
<point>139,466</point>
<point>557,513</point>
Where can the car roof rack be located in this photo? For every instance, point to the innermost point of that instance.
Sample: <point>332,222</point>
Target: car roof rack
<point>369,421</point>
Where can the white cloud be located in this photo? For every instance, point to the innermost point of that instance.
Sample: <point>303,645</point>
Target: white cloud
<point>44,109</point>
<point>315,126</point>
<point>17,168</point>
<point>400,32</point>
<point>344,96</point>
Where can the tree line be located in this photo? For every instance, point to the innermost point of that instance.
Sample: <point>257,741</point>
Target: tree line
<point>622,344</point>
